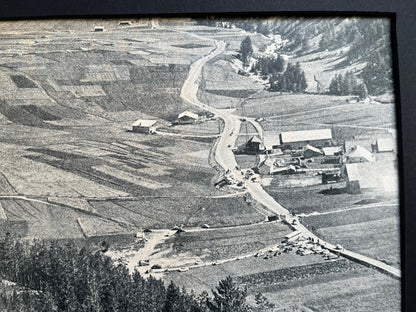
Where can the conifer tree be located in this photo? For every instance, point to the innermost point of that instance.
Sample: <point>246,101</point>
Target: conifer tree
<point>246,50</point>
<point>228,297</point>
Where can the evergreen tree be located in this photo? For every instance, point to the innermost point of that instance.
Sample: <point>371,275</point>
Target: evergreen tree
<point>228,297</point>
<point>246,50</point>
<point>173,302</point>
<point>262,303</point>
<point>362,91</point>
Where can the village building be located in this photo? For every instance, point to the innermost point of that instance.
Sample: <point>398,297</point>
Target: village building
<point>254,145</point>
<point>271,142</point>
<point>358,154</point>
<point>297,139</point>
<point>144,126</point>
<point>289,169</point>
<point>381,175</point>
<point>310,151</point>
<point>383,145</point>
<point>331,150</point>
<point>187,117</point>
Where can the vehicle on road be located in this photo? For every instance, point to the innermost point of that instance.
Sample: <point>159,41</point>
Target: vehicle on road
<point>339,247</point>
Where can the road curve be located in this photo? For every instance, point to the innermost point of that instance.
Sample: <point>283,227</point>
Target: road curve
<point>226,159</point>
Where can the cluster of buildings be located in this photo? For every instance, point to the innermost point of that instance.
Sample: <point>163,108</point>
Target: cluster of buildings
<point>149,126</point>
<point>273,143</point>
<point>316,152</point>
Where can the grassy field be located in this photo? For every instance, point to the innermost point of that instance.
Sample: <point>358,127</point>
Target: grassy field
<point>70,102</point>
<point>378,238</point>
<point>366,223</point>
<point>367,291</point>
<point>306,110</point>
<point>309,199</point>
<point>207,277</point>
<point>213,245</point>
<point>165,212</point>
<point>292,281</point>
<point>246,161</point>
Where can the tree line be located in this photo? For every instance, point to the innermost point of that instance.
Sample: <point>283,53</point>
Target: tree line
<point>348,84</point>
<point>364,40</point>
<point>63,276</point>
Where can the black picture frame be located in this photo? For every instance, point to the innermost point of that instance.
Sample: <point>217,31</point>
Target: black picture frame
<point>402,13</point>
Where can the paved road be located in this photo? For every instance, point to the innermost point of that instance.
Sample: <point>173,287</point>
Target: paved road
<point>226,159</point>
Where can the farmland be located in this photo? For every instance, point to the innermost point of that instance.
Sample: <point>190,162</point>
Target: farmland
<point>64,135</point>
<point>72,168</point>
<point>218,244</point>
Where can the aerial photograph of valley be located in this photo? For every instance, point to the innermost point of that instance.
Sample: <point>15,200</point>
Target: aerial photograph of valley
<point>199,164</point>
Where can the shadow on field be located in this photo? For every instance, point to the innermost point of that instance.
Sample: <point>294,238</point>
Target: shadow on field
<point>334,191</point>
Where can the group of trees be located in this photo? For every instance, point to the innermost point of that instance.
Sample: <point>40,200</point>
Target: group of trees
<point>58,276</point>
<point>292,80</point>
<point>269,65</point>
<point>348,84</point>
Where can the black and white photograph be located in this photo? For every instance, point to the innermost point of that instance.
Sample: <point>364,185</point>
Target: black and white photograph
<point>199,164</point>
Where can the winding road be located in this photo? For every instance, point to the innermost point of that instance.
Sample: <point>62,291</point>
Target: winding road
<point>226,159</point>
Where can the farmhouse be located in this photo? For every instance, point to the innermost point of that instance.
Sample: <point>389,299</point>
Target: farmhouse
<point>383,145</point>
<point>381,175</point>
<point>125,23</point>
<point>144,126</point>
<point>358,154</point>
<point>187,117</point>
<point>297,139</point>
<point>310,151</point>
<point>292,236</point>
<point>254,145</point>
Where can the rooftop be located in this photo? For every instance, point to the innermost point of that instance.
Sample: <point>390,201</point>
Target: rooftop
<point>312,148</point>
<point>382,175</point>
<point>270,139</point>
<point>144,123</point>
<point>306,135</point>
<point>331,150</point>
<point>386,144</point>
<point>188,114</point>
<point>359,152</point>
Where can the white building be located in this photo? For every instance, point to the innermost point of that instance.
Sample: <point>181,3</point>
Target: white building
<point>317,137</point>
<point>144,126</point>
<point>358,154</point>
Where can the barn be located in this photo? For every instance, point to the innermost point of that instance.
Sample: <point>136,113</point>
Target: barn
<point>297,139</point>
<point>383,145</point>
<point>187,117</point>
<point>358,154</point>
<point>381,175</point>
<point>271,142</point>
<point>254,145</point>
<point>144,126</point>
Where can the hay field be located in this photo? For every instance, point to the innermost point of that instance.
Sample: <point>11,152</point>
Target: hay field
<point>68,96</point>
<point>218,244</point>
